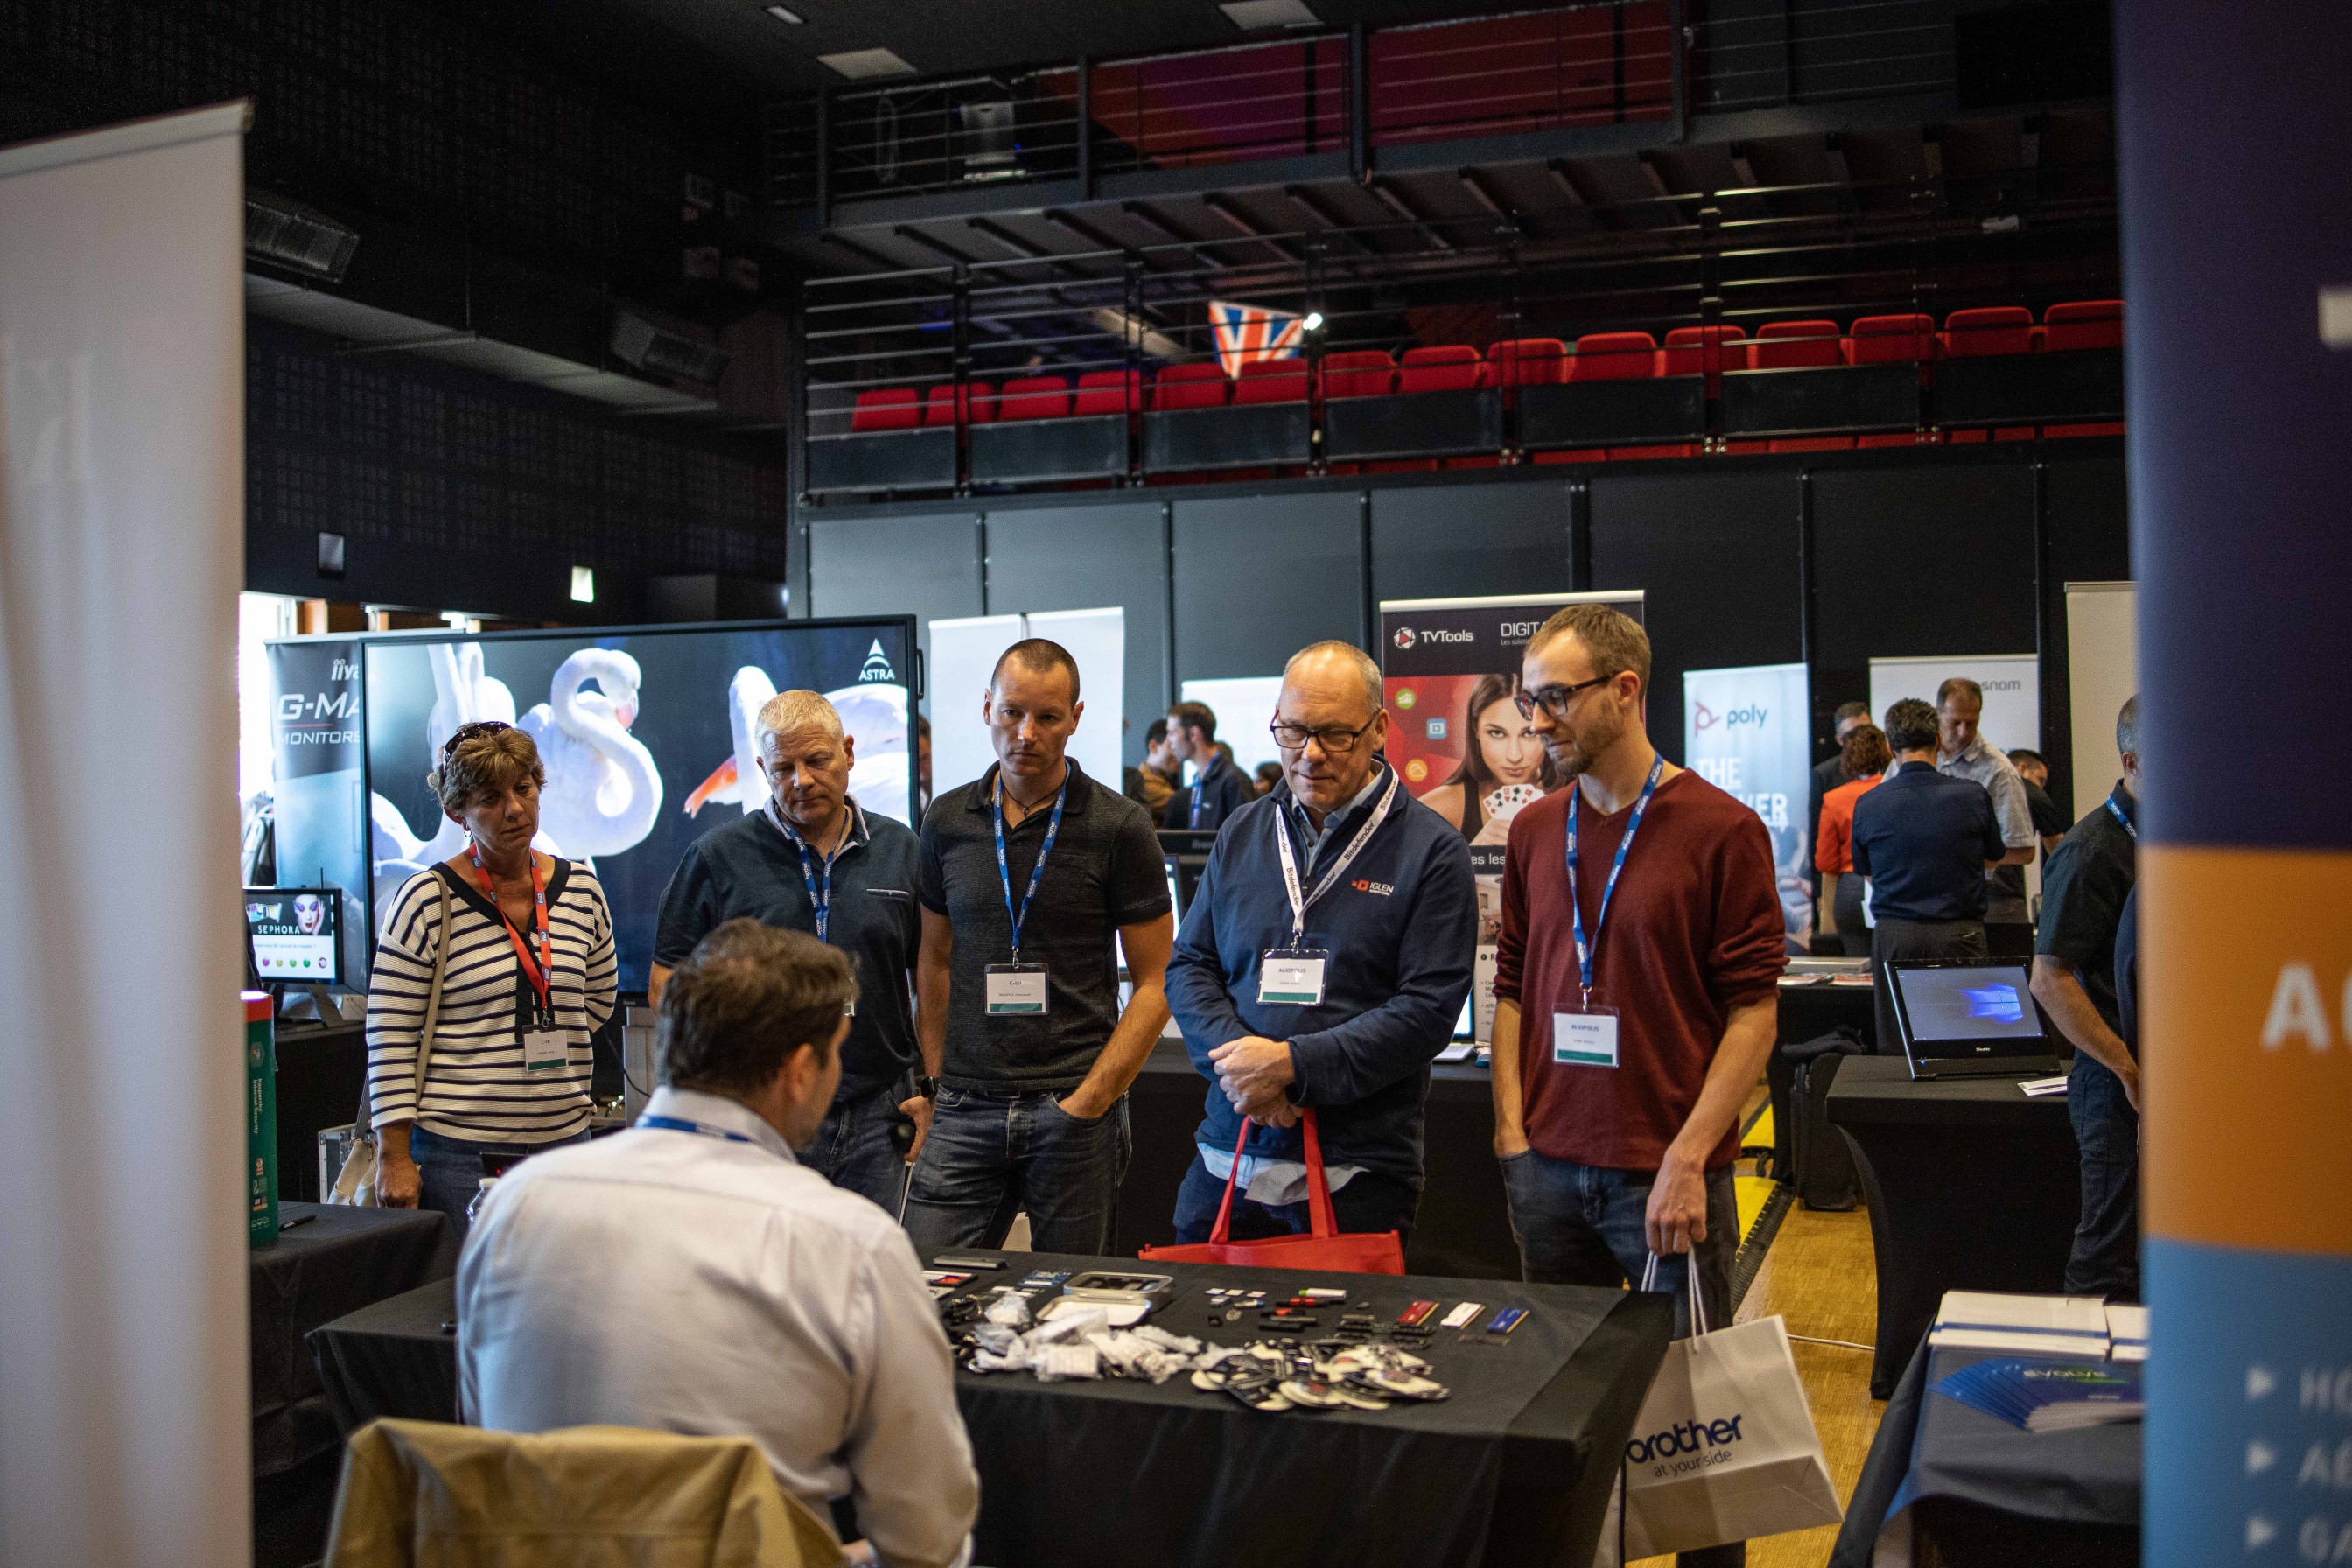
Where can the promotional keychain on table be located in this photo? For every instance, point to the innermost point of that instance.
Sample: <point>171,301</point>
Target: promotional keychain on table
<point>544,1046</point>
<point>820,892</point>
<point>1294,975</point>
<point>1018,989</point>
<point>1586,1035</point>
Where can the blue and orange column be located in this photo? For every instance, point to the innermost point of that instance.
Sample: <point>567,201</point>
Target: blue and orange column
<point>2235,138</point>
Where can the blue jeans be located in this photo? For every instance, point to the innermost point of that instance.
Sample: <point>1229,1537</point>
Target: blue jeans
<point>2105,1260</point>
<point>990,1156</point>
<point>1583,1225</point>
<point>1370,1203</point>
<point>853,1147</point>
<point>449,1170</point>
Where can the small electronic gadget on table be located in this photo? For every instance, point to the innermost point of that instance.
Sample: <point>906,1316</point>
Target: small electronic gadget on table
<point>1969,1018</point>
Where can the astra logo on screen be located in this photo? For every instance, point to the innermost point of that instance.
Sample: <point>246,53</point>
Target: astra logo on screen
<point>878,665</point>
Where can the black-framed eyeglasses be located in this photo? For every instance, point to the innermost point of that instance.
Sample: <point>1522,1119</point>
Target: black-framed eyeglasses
<point>465,733</point>
<point>1335,739</point>
<point>1554,698</point>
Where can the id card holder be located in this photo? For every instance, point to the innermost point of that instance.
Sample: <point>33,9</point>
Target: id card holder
<point>1015,991</point>
<point>1585,1037</point>
<point>1292,975</point>
<point>544,1050</point>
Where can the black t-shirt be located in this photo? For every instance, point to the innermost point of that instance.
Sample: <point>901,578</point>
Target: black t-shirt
<point>1106,871</point>
<point>2083,890</point>
<point>749,868</point>
<point>2048,820</point>
<point>2127,972</point>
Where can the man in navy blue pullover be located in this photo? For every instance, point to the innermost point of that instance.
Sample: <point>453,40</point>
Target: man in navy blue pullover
<point>1321,965</point>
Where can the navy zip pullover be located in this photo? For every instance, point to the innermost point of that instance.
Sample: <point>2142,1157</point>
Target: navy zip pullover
<point>1221,790</point>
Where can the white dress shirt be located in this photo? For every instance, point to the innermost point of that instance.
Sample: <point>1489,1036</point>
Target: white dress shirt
<point>707,1283</point>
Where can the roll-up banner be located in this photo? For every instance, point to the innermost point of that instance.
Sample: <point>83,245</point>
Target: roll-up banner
<point>317,784</point>
<point>1747,732</point>
<point>1451,669</point>
<point>2011,683</point>
<point>2232,123</point>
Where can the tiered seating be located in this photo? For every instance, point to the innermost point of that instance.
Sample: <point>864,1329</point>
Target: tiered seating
<point>1446,367</point>
<point>1109,392</point>
<point>1032,397</point>
<point>2082,324</point>
<point>882,408</point>
<point>1887,340</point>
<point>1991,331</point>
<point>1798,346</point>
<point>1704,351</point>
<point>1358,372</point>
<point>1189,387</point>
<point>1528,362</point>
<point>974,402</point>
<point>1445,404</point>
<point>1271,381</point>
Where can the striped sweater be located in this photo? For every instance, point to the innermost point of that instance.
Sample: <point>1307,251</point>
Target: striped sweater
<point>476,1086</point>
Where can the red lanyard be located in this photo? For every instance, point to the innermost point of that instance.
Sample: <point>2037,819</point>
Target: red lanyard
<point>537,974</point>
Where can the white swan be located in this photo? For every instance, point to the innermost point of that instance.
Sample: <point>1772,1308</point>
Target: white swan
<point>462,694</point>
<point>604,792</point>
<point>874,717</point>
<point>737,781</point>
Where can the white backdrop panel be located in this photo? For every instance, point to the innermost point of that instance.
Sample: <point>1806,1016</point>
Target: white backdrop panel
<point>2012,691</point>
<point>2101,672</point>
<point>964,650</point>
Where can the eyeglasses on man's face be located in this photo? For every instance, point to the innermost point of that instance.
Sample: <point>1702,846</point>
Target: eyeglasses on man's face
<point>1554,700</point>
<point>1335,740</point>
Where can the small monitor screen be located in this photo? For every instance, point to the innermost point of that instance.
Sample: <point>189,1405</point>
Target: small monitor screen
<point>1175,892</point>
<point>293,932</point>
<point>1972,1003</point>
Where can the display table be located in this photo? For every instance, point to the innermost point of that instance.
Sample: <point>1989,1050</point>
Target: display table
<point>320,1070</point>
<point>1972,1186</point>
<point>1983,1491</point>
<point>336,1261</point>
<point>1514,1468</point>
<point>1809,1009</point>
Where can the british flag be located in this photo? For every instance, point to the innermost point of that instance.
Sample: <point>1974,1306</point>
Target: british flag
<point>1247,332</point>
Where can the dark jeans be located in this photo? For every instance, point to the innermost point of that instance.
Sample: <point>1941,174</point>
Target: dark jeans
<point>1583,1225</point>
<point>990,1156</point>
<point>1898,939</point>
<point>853,1148</point>
<point>2106,1256</point>
<point>449,1170</point>
<point>1370,1203</point>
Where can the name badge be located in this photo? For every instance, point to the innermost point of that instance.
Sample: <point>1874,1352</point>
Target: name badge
<point>1292,975</point>
<point>1585,1040</point>
<point>1016,990</point>
<point>544,1050</point>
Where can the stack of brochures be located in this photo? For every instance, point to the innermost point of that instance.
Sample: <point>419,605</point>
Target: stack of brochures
<point>2031,1325</point>
<point>2127,1333</point>
<point>2043,1394</point>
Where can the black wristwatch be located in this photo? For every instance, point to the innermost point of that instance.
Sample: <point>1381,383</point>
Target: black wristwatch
<point>926,1088</point>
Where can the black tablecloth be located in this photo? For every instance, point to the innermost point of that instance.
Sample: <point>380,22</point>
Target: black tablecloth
<point>336,1261</point>
<point>1972,1186</point>
<point>1986,1492</point>
<point>1514,1468</point>
<point>1808,1010</point>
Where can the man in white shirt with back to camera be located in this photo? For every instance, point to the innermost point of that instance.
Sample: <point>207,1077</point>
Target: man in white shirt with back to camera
<point>690,1276</point>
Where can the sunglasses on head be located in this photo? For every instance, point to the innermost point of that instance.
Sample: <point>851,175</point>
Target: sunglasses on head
<point>465,733</point>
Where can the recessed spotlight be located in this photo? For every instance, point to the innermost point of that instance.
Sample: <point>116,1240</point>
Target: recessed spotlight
<point>859,65</point>
<point>789,18</point>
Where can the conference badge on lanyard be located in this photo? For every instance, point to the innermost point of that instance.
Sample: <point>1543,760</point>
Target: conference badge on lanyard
<point>1586,1035</point>
<point>544,1048</point>
<point>1018,990</point>
<point>820,892</point>
<point>1293,974</point>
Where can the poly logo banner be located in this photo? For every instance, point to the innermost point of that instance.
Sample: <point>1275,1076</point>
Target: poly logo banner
<point>1748,731</point>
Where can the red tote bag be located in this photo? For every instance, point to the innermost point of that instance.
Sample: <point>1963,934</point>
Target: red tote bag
<point>1325,1248</point>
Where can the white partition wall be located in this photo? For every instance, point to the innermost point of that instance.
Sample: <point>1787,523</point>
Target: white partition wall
<point>2011,682</point>
<point>964,650</point>
<point>124,1391</point>
<point>2102,670</point>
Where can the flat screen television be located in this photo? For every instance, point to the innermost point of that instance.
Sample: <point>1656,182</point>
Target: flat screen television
<point>1959,1017</point>
<point>295,934</point>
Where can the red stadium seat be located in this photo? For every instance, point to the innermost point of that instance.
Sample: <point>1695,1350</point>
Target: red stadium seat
<point>1446,367</point>
<point>884,408</point>
<point>1358,372</point>
<point>1993,330</point>
<point>1900,438</point>
<point>1271,381</point>
<point>1891,339</point>
<point>1614,356</point>
<point>1034,397</point>
<point>1637,454</point>
<point>2082,324</point>
<point>1530,362</point>
<point>1189,387</point>
<point>1109,392</point>
<point>975,400</point>
<point>2071,432</point>
<point>1812,444</point>
<point>1790,345</point>
<point>1704,351</point>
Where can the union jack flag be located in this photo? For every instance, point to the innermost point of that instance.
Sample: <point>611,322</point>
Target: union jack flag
<point>1247,332</point>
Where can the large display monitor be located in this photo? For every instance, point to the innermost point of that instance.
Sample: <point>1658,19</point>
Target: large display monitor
<point>1965,1014</point>
<point>295,934</point>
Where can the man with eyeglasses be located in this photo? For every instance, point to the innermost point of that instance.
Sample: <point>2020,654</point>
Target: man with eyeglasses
<point>1636,988</point>
<point>1320,968</point>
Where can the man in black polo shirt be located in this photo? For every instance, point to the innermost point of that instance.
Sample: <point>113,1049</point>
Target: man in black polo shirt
<point>1025,875</point>
<point>2090,874</point>
<point>810,859</point>
<point>1218,788</point>
<point>1922,842</point>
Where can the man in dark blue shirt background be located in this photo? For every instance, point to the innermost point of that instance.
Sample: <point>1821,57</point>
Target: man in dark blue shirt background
<point>1218,789</point>
<point>1922,842</point>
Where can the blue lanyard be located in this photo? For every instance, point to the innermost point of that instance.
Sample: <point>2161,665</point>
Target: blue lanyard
<point>2117,813</point>
<point>680,1124</point>
<point>1037,872</point>
<point>820,894</point>
<point>1575,911</point>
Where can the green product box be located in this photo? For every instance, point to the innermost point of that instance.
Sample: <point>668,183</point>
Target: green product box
<point>260,1118</point>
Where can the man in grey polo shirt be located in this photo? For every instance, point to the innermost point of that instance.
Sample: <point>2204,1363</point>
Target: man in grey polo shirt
<point>1962,752</point>
<point>1024,876</point>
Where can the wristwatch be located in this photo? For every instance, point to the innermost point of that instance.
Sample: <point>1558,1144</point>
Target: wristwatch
<point>926,1088</point>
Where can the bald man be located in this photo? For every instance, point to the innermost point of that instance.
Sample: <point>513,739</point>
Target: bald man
<point>810,860</point>
<point>1321,967</point>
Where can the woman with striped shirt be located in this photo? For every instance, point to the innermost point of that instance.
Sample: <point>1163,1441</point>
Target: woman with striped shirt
<point>528,975</point>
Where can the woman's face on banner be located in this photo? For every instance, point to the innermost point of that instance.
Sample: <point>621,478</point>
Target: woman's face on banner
<point>1508,743</point>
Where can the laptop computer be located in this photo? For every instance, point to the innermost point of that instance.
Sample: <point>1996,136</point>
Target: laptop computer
<point>1970,1018</point>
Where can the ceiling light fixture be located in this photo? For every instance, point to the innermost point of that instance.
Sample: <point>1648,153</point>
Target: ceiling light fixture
<point>860,65</point>
<point>1255,15</point>
<point>789,18</point>
<point>1314,322</point>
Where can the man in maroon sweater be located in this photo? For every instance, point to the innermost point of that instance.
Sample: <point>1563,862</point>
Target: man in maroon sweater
<point>1636,988</point>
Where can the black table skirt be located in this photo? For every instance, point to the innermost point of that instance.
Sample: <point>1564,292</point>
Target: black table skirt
<point>337,1260</point>
<point>1514,1469</point>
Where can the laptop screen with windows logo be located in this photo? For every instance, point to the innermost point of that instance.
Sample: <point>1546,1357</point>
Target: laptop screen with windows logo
<point>1967,1003</point>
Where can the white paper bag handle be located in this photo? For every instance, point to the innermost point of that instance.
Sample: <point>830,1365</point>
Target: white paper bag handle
<point>1690,1278</point>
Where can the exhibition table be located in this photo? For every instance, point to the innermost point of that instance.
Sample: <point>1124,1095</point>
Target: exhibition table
<point>1984,1492</point>
<point>1810,1008</point>
<point>1515,1468</point>
<point>1972,1186</point>
<point>319,1071</point>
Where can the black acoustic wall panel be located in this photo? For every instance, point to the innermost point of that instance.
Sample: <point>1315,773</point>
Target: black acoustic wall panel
<point>1259,577</point>
<point>1717,556</point>
<point>2088,541</point>
<point>1459,540</point>
<point>1087,558</point>
<point>927,566</point>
